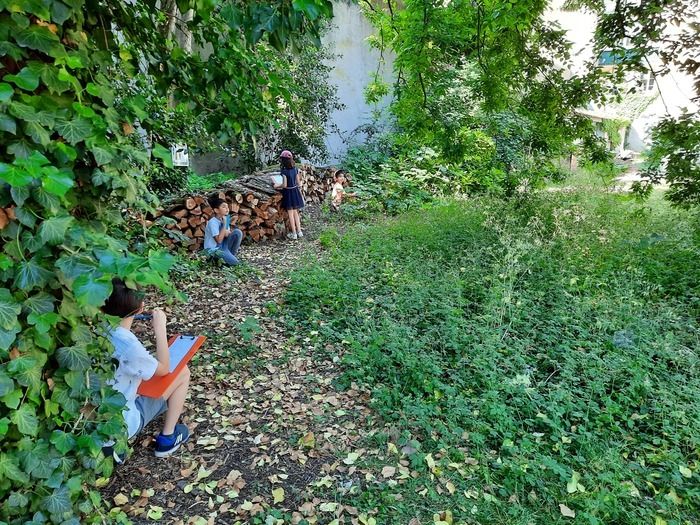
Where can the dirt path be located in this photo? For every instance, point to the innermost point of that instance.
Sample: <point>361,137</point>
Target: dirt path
<point>263,411</point>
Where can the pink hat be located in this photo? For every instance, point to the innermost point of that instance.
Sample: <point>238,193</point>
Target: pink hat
<point>286,154</point>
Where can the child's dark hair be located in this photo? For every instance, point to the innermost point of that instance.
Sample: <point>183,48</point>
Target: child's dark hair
<point>287,163</point>
<point>215,202</point>
<point>124,301</point>
<point>340,173</point>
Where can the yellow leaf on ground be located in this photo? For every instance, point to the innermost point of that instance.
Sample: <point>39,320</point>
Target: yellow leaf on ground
<point>120,499</point>
<point>430,461</point>
<point>278,495</point>
<point>685,471</point>
<point>308,440</point>
<point>388,472</point>
<point>566,511</point>
<point>352,457</point>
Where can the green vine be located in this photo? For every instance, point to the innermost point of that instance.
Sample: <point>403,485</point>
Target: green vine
<point>69,162</point>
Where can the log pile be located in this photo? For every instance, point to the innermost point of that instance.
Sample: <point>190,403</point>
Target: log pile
<point>255,206</point>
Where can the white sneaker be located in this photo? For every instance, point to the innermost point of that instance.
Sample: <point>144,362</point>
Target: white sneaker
<point>292,236</point>
<point>300,234</point>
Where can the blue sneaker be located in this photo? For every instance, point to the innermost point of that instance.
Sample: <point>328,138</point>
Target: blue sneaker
<point>166,445</point>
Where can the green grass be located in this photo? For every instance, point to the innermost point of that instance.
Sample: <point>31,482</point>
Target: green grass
<point>544,352</point>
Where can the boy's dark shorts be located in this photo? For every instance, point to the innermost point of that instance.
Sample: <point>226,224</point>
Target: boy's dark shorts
<point>149,408</point>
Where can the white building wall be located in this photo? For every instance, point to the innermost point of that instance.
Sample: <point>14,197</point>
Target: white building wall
<point>353,69</point>
<point>671,94</point>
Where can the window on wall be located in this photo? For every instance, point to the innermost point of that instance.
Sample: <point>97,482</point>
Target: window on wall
<point>647,81</point>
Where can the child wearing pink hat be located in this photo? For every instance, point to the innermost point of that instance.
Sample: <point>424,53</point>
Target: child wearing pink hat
<point>292,199</point>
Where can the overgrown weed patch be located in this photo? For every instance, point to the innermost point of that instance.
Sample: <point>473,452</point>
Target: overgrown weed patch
<point>537,360</point>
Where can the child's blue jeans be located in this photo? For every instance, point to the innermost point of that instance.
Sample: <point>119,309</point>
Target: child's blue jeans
<point>229,247</point>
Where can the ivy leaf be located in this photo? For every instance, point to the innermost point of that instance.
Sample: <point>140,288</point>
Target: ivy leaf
<point>38,133</point>
<point>160,261</point>
<point>8,124</point>
<point>7,385</point>
<point>102,155</point>
<point>26,369</point>
<point>7,337</point>
<point>37,37</point>
<point>63,441</point>
<point>163,154</point>
<point>60,12</point>
<point>75,130</point>
<point>43,322</point>
<point>91,292</point>
<point>58,502</point>
<point>6,92</point>
<point>40,303</point>
<point>73,357</point>
<point>26,79</point>
<point>18,500</point>
<point>9,310</point>
<point>26,420</point>
<point>58,182</point>
<point>31,274</point>
<point>12,399</point>
<point>53,230</point>
<point>10,469</point>
<point>13,175</point>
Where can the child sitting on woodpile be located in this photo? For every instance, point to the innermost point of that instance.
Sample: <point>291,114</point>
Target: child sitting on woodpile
<point>220,240</point>
<point>338,192</point>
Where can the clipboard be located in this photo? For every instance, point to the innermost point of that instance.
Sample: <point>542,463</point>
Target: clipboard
<point>182,348</point>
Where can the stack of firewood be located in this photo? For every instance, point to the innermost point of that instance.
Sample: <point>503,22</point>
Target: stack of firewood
<point>255,206</point>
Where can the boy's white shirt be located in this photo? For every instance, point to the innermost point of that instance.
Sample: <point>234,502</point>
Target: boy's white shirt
<point>135,365</point>
<point>337,193</point>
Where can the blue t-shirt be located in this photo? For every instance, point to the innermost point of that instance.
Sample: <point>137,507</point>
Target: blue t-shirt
<point>210,232</point>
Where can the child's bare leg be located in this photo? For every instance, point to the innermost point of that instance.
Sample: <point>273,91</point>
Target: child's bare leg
<point>175,395</point>
<point>297,218</point>
<point>290,218</point>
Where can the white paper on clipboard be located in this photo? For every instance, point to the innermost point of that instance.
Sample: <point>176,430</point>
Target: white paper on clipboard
<point>179,349</point>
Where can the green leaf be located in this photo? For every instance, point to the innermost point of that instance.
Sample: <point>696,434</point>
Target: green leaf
<point>53,230</point>
<point>7,337</point>
<point>26,79</point>
<point>73,357</point>
<point>40,303</point>
<point>31,274</point>
<point>9,310</point>
<point>8,124</point>
<point>58,182</point>
<point>58,502</point>
<point>163,154</point>
<point>12,399</point>
<point>102,155</point>
<point>9,468</point>
<point>38,133</point>
<point>43,322</point>
<point>18,500</point>
<point>37,37</point>
<point>6,92</point>
<point>14,176</point>
<point>160,261</point>
<point>63,441</point>
<point>92,292</point>
<point>60,12</point>
<point>26,420</point>
<point>74,130</point>
<point>4,426</point>
<point>7,385</point>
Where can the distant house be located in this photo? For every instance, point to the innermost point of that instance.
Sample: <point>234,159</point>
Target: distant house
<point>647,97</point>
